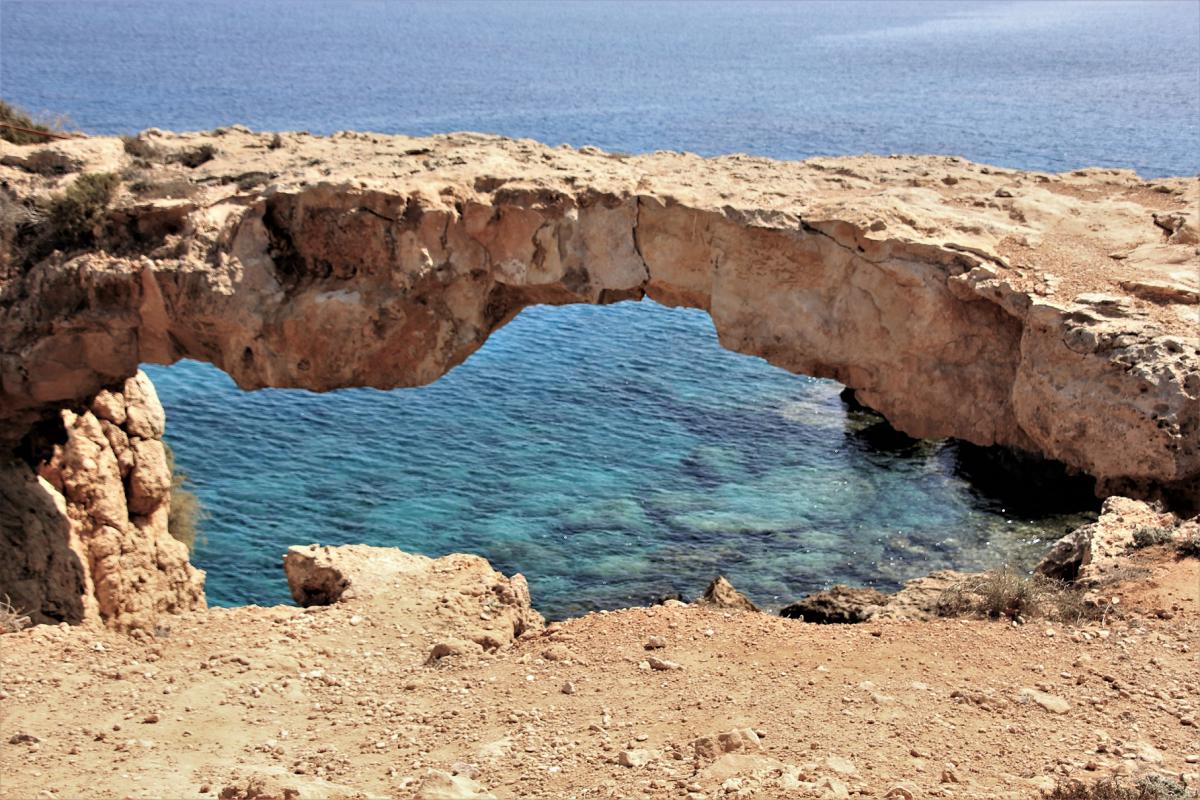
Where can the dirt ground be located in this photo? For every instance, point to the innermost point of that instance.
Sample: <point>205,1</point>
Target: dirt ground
<point>341,701</point>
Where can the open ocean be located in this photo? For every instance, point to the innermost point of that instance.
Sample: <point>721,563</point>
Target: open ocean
<point>614,455</point>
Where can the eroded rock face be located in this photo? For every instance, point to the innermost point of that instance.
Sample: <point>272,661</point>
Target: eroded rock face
<point>1098,551</point>
<point>482,607</point>
<point>956,299</point>
<point>86,538</point>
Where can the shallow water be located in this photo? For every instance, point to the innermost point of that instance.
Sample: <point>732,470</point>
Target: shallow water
<point>614,455</point>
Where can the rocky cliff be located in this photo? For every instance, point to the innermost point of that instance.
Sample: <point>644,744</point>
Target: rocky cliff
<point>1051,313</point>
<point>85,538</point>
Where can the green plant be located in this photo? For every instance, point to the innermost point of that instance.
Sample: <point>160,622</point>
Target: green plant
<point>1151,787</point>
<point>1149,537</point>
<point>72,217</point>
<point>1189,546</point>
<point>186,513</point>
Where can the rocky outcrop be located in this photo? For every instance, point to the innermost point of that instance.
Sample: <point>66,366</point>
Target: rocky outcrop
<point>837,605</point>
<point>721,594</point>
<point>956,299</point>
<point>472,601</point>
<point>1099,551</point>
<point>86,537</point>
<point>1049,313</point>
<point>917,600</point>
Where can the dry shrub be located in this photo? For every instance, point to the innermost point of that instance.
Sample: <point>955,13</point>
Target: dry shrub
<point>1149,537</point>
<point>1189,546</point>
<point>186,513</point>
<point>12,115</point>
<point>1151,787</point>
<point>1007,593</point>
<point>12,619</point>
<point>138,147</point>
<point>193,157</point>
<point>73,216</point>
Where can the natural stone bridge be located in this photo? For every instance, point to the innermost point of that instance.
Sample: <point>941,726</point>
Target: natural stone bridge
<point>1054,314</point>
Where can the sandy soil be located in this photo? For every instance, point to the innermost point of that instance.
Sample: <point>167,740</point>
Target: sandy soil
<point>341,701</point>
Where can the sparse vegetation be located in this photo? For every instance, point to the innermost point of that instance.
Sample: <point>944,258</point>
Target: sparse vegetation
<point>1151,787</point>
<point>72,217</point>
<point>194,156</point>
<point>1189,547</point>
<point>1149,537</point>
<point>68,220</point>
<point>138,147</point>
<point>183,520</point>
<point>12,619</point>
<point>1007,593</point>
<point>11,115</point>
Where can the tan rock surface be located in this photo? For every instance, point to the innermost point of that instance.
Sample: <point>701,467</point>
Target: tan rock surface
<point>957,299</point>
<point>339,701</point>
<point>86,539</point>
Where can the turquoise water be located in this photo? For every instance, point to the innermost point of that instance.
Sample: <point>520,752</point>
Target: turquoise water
<point>616,455</point>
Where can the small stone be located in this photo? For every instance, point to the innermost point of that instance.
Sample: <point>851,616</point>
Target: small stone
<point>635,758</point>
<point>842,766</point>
<point>568,688</point>
<point>1050,702</point>
<point>663,665</point>
<point>655,643</point>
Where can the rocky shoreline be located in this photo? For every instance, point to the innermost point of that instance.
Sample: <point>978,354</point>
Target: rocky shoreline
<point>410,677</point>
<point>1052,314</point>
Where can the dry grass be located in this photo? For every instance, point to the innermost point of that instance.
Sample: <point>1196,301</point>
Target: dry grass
<point>12,619</point>
<point>1151,787</point>
<point>1007,593</point>
<point>12,115</point>
<point>186,513</point>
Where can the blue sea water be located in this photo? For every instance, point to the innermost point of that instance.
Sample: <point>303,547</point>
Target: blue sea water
<point>614,454</point>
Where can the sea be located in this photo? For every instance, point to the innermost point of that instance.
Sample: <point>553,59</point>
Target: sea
<point>617,455</point>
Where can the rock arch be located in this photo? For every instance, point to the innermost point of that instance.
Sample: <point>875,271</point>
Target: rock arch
<point>361,260</point>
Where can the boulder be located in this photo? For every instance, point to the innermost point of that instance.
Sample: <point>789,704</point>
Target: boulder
<point>839,604</point>
<point>721,594</point>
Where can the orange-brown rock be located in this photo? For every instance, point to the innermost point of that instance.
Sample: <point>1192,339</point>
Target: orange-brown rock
<point>85,539</point>
<point>958,299</point>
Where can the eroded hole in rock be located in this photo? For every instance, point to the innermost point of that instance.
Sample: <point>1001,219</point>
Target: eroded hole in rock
<point>614,455</point>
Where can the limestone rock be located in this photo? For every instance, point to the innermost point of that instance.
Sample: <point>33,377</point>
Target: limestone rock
<point>1050,702</point>
<point>439,785</point>
<point>736,740</point>
<point>881,273</point>
<point>462,592</point>
<point>721,594</point>
<point>87,544</point>
<point>837,605</point>
<point>1092,551</point>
